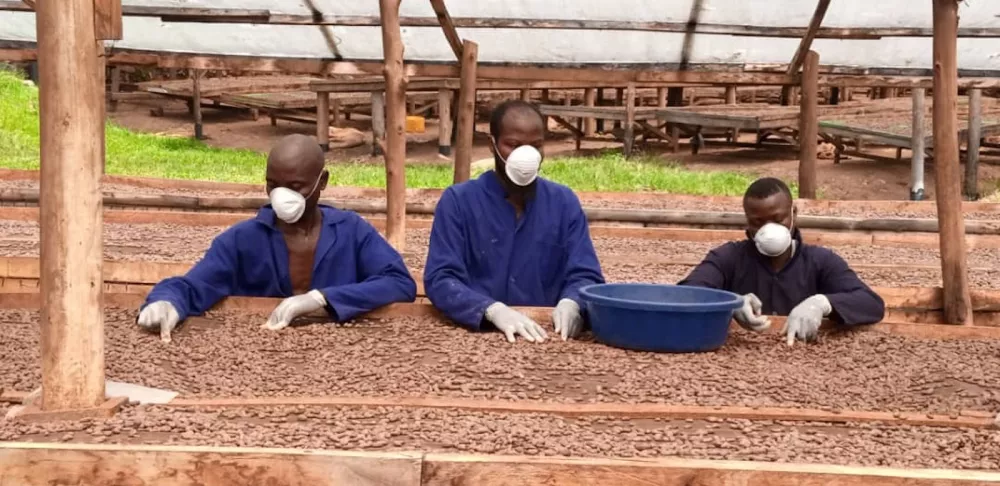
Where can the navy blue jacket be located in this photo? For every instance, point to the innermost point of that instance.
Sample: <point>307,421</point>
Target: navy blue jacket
<point>354,267</point>
<point>481,253</point>
<point>738,267</point>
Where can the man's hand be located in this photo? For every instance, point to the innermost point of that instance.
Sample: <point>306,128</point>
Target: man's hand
<point>294,307</point>
<point>567,319</point>
<point>512,323</point>
<point>804,320</point>
<point>160,314</point>
<point>749,315</point>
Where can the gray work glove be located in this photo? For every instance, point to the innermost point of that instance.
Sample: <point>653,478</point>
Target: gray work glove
<point>294,307</point>
<point>749,316</point>
<point>511,323</point>
<point>804,320</point>
<point>160,314</point>
<point>567,318</point>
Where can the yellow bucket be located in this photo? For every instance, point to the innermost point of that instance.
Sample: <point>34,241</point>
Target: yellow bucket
<point>414,124</point>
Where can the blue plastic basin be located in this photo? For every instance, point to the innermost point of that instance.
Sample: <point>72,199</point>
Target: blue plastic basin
<point>660,318</point>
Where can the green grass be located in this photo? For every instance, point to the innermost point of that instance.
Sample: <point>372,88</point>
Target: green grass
<point>143,155</point>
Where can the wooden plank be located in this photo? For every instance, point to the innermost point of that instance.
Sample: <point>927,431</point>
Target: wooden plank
<point>804,47</point>
<point>72,159</point>
<point>108,19</point>
<point>870,80</point>
<point>466,112</point>
<point>685,116</point>
<point>808,121</point>
<point>323,120</point>
<point>948,190</point>
<point>197,466</point>
<point>974,135</point>
<point>462,470</point>
<point>395,120</point>
<point>917,146</point>
<point>444,19</point>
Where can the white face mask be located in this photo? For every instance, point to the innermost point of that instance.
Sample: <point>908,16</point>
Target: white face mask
<point>289,205</point>
<point>773,239</point>
<point>522,164</point>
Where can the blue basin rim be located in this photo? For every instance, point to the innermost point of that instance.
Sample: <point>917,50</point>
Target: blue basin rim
<point>733,301</point>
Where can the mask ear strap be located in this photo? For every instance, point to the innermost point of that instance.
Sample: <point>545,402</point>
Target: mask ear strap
<point>496,149</point>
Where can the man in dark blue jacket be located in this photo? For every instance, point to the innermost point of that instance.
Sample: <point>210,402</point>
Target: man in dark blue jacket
<point>510,238</point>
<point>779,275</point>
<point>316,256</point>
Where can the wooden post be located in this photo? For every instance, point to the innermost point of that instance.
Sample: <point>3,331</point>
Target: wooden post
<point>71,105</point>
<point>395,121</point>
<point>466,112</point>
<point>116,87</point>
<point>600,102</point>
<point>445,97</point>
<point>917,147</point>
<point>957,302</point>
<point>323,119</point>
<point>450,33</point>
<point>787,92</point>
<point>808,126</point>
<point>589,123</point>
<point>972,146</point>
<point>526,95</point>
<point>661,97</point>
<point>629,119</point>
<point>378,122</point>
<point>619,101</point>
<point>196,103</point>
<point>334,112</point>
<point>730,95</point>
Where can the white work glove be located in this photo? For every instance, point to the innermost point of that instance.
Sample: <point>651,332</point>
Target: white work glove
<point>160,314</point>
<point>293,307</point>
<point>567,319</point>
<point>511,323</point>
<point>749,315</point>
<point>804,320</point>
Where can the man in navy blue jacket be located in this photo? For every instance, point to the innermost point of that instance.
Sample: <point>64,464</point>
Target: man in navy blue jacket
<point>510,238</point>
<point>316,256</point>
<point>779,275</point>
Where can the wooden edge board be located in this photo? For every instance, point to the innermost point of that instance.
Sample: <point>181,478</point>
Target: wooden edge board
<point>367,192</point>
<point>192,465</point>
<point>541,315</point>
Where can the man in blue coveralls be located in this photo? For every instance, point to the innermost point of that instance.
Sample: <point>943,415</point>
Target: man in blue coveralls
<point>316,256</point>
<point>510,238</point>
<point>778,274</point>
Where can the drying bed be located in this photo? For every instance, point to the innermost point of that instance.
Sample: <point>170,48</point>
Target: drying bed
<point>228,355</point>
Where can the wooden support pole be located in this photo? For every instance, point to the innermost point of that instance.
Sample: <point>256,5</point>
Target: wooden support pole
<point>957,303</point>
<point>378,123</point>
<point>196,103</point>
<point>619,101</point>
<point>116,87</point>
<point>334,113</point>
<point>108,19</point>
<point>600,102</point>
<point>730,95</point>
<point>395,120</point>
<point>71,105</point>
<point>804,46</point>
<point>917,146</point>
<point>972,146</point>
<point>661,97</point>
<point>809,126</point>
<point>323,119</point>
<point>629,119</point>
<point>450,33</point>
<point>589,123</point>
<point>526,95</point>
<point>445,122</point>
<point>466,112</point>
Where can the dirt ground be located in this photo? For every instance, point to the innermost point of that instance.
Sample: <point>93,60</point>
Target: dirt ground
<point>854,179</point>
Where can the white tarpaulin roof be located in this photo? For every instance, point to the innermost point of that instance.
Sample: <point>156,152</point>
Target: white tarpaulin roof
<point>541,46</point>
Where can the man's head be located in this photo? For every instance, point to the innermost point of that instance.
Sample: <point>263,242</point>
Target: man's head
<point>768,200</point>
<point>514,124</point>
<point>296,163</point>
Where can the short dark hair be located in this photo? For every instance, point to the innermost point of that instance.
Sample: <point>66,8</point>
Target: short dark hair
<point>517,106</point>
<point>766,187</point>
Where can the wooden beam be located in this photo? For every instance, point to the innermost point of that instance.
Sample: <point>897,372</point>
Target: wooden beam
<point>917,146</point>
<point>196,466</point>
<point>629,135</point>
<point>444,19</point>
<point>323,120</point>
<point>809,126</point>
<point>972,146</point>
<point>957,303</point>
<point>466,470</point>
<point>71,105</point>
<point>805,45</point>
<point>466,112</point>
<point>395,117</point>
